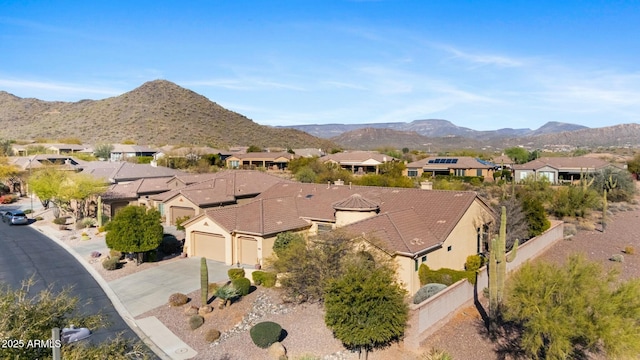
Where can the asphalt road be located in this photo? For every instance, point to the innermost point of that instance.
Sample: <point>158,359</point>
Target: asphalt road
<point>25,252</point>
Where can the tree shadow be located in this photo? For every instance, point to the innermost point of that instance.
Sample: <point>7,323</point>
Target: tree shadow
<point>505,334</point>
<point>283,335</point>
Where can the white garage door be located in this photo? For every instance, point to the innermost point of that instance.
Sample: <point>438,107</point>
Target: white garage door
<point>210,246</point>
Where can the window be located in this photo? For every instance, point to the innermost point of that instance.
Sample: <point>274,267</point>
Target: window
<point>415,262</point>
<point>449,248</point>
<point>478,172</point>
<point>458,172</point>
<point>234,164</point>
<point>424,258</point>
<point>412,173</point>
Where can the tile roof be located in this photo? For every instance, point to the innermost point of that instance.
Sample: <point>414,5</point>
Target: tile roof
<point>564,163</point>
<point>223,187</point>
<point>357,157</point>
<point>125,171</point>
<point>410,220</point>
<point>356,202</point>
<point>461,162</point>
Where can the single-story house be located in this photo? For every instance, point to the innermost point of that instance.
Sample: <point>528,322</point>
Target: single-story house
<point>560,169</point>
<point>413,226</point>
<point>451,165</point>
<point>267,160</point>
<point>122,151</point>
<point>219,189</point>
<point>358,162</point>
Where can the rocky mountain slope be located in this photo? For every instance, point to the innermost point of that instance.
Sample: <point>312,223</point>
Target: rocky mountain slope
<point>157,113</point>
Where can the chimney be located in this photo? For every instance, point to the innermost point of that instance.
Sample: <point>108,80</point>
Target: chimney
<point>426,185</point>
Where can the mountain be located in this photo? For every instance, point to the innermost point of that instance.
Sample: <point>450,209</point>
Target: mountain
<point>156,113</point>
<point>435,128</point>
<point>550,136</point>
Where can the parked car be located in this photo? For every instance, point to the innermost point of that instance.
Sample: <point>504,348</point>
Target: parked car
<point>17,218</point>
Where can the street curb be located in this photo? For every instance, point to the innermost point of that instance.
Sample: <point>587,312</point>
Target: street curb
<point>117,304</point>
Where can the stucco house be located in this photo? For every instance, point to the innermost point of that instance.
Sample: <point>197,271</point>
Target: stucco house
<point>267,160</point>
<point>451,165</point>
<point>188,198</point>
<point>413,226</point>
<point>121,152</point>
<point>560,169</point>
<point>358,162</point>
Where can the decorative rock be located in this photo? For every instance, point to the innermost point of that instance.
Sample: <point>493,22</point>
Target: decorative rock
<point>277,351</point>
<point>205,310</point>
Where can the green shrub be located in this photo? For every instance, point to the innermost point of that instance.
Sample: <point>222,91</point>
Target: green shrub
<point>178,299</point>
<point>111,263</point>
<point>474,263</point>
<point>195,321</point>
<point>617,258</point>
<point>265,333</point>
<point>88,222</point>
<point>212,335</point>
<point>180,221</point>
<point>427,291</point>
<point>266,279</point>
<point>283,240</point>
<point>444,276</point>
<point>243,285</point>
<point>170,244</point>
<point>28,211</point>
<point>423,273</point>
<point>102,229</point>
<point>269,279</point>
<point>115,254</point>
<point>60,221</point>
<point>235,273</point>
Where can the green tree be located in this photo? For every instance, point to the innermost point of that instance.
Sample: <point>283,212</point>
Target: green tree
<point>254,148</point>
<point>517,154</point>
<point>31,316</point>
<point>135,229</point>
<point>365,306</point>
<point>6,147</point>
<point>566,311</point>
<point>46,184</point>
<point>306,175</point>
<point>80,188</point>
<point>536,215</point>
<point>284,240</point>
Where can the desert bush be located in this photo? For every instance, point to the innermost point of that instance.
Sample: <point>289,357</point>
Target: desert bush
<point>265,333</point>
<point>180,221</point>
<point>60,221</point>
<point>102,229</point>
<point>88,222</point>
<point>570,229</point>
<point>212,335</point>
<point>78,225</point>
<point>115,254</point>
<point>235,273</point>
<point>586,225</point>
<point>191,310</point>
<point>427,291</point>
<point>473,263</point>
<point>39,218</point>
<point>243,285</point>
<point>436,354</point>
<point>284,239</point>
<point>266,279</point>
<point>617,258</point>
<point>444,276</point>
<point>178,299</point>
<point>629,250</point>
<point>111,264</point>
<point>213,287</point>
<point>27,211</point>
<point>195,321</point>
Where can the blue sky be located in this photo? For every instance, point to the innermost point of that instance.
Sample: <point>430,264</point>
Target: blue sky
<point>480,64</point>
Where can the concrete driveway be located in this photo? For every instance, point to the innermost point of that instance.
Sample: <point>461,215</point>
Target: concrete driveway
<point>146,290</point>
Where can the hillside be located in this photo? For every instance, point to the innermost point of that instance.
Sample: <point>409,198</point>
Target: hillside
<point>551,136</point>
<point>436,128</point>
<point>157,113</point>
<point>374,138</point>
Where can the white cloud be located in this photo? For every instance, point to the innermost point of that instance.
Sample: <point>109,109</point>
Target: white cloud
<point>56,88</point>
<point>482,59</point>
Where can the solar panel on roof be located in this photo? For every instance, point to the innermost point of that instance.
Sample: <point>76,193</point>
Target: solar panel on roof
<point>430,161</point>
<point>455,161</point>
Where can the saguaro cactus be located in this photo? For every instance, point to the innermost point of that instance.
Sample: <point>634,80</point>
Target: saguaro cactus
<point>204,281</point>
<point>99,214</point>
<point>609,184</point>
<point>498,264</point>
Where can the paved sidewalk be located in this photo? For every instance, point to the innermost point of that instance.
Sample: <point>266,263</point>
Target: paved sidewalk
<point>140,292</point>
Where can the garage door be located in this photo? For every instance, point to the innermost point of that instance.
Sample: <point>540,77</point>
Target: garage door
<point>180,212</point>
<point>248,251</point>
<point>211,246</point>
